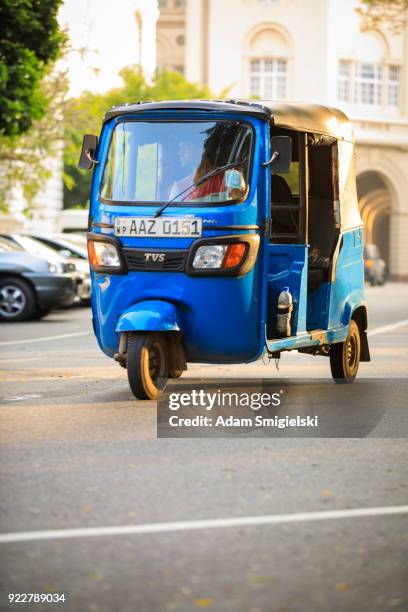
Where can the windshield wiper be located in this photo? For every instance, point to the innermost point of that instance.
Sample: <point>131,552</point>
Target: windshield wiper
<point>201,181</point>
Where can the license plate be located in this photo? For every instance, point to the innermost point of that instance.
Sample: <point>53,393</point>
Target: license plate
<point>158,228</point>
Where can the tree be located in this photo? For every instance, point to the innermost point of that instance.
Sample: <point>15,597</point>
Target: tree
<point>30,42</point>
<point>389,13</point>
<point>84,115</point>
<point>25,159</point>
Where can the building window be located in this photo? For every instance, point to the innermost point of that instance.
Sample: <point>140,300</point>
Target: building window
<point>180,3</point>
<point>162,3</point>
<point>268,78</point>
<point>343,81</point>
<point>368,83</point>
<point>369,78</point>
<point>393,85</point>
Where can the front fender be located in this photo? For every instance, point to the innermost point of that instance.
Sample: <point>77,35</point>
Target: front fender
<point>150,315</point>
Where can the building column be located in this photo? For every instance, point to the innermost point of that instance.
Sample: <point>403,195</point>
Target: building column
<point>399,246</point>
<point>196,41</point>
<point>147,14</point>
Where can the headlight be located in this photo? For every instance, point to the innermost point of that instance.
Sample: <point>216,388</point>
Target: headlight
<point>215,256</point>
<point>55,268</point>
<point>210,256</point>
<point>103,254</point>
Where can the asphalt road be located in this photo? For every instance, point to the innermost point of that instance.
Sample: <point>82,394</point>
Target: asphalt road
<point>79,452</point>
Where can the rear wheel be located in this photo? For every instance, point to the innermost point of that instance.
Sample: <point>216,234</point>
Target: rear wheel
<point>147,365</point>
<point>345,356</point>
<point>17,300</point>
<point>175,373</point>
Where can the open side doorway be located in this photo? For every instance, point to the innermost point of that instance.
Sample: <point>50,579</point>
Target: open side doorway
<point>305,233</point>
<point>287,250</point>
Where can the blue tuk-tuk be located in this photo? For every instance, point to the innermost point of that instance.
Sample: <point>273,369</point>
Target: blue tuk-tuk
<point>219,230</point>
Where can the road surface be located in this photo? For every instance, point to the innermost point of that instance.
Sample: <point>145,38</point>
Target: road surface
<point>305,524</point>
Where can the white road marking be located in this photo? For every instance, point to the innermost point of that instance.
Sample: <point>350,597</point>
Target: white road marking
<point>386,328</point>
<point>19,398</point>
<point>244,521</point>
<point>44,338</point>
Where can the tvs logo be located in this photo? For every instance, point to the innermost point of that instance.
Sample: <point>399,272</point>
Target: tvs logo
<point>155,257</point>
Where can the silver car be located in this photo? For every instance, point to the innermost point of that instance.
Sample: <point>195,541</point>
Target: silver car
<point>73,249</point>
<point>30,285</point>
<point>34,247</point>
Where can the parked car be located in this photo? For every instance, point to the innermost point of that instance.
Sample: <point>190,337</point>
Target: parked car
<point>75,237</point>
<point>73,252</point>
<point>30,285</point>
<point>35,247</point>
<point>375,268</point>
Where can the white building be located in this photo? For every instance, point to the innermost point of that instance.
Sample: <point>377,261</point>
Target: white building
<point>313,51</point>
<point>316,52</point>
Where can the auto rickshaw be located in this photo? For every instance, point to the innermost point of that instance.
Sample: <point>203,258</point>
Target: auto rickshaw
<point>221,230</point>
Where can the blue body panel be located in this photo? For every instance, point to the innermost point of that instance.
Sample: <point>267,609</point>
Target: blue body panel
<point>347,290</point>
<point>221,319</point>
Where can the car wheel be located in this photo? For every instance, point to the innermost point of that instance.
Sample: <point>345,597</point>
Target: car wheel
<point>17,300</point>
<point>147,365</point>
<point>345,356</point>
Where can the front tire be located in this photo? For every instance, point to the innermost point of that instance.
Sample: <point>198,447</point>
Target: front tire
<point>147,365</point>
<point>345,356</point>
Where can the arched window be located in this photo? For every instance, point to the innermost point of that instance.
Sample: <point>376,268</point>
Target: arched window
<point>268,62</point>
<point>370,78</point>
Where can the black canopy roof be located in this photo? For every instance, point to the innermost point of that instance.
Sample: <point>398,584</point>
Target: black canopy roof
<point>294,115</point>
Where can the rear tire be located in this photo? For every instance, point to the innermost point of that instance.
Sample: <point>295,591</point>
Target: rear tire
<point>345,356</point>
<point>174,373</point>
<point>17,300</point>
<point>147,365</point>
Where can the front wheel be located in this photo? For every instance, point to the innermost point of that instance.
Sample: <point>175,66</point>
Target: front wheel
<point>147,365</point>
<point>17,300</point>
<point>345,356</point>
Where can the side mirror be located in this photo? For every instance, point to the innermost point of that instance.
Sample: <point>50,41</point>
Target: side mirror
<point>65,253</point>
<point>281,149</point>
<point>89,145</point>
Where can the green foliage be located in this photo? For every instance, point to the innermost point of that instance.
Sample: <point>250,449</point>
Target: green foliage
<point>30,41</point>
<point>84,115</point>
<point>24,159</point>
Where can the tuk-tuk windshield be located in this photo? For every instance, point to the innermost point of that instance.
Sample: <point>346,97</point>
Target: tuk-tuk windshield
<point>161,161</point>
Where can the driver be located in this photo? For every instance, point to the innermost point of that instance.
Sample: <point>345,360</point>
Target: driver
<point>230,182</point>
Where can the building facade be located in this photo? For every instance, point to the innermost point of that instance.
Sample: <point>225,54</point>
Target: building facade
<point>318,52</point>
<point>171,35</point>
<point>314,51</point>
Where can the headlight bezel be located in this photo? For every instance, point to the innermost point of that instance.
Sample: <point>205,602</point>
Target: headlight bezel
<point>109,240</point>
<point>251,243</point>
